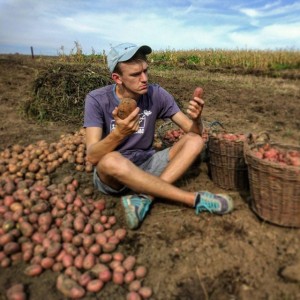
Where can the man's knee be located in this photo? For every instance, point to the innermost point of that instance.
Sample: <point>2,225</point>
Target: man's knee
<point>112,164</point>
<point>194,141</point>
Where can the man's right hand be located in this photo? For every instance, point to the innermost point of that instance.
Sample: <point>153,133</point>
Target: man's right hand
<point>128,125</point>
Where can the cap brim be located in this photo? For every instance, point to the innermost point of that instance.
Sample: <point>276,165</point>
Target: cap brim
<point>145,49</point>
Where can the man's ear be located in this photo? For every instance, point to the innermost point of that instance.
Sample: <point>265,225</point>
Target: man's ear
<point>116,78</point>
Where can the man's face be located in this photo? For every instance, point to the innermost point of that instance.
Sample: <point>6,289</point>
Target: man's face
<point>134,77</point>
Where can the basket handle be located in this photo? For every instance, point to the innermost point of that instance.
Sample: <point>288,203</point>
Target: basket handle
<point>212,126</point>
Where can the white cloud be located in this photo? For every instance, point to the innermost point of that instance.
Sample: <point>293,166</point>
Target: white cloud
<point>270,37</point>
<point>180,24</point>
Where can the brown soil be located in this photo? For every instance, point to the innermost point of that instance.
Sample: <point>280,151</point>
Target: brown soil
<point>188,256</point>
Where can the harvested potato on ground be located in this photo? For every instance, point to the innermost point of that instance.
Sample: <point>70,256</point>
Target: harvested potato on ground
<point>126,107</point>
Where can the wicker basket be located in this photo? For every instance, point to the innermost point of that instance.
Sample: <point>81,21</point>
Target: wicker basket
<point>227,166</point>
<point>274,188</point>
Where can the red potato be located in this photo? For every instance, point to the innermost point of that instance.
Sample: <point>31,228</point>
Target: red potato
<point>54,249</point>
<point>99,204</point>
<point>33,218</point>
<point>6,238</point>
<point>8,200</point>
<point>114,264</point>
<point>85,278</point>
<point>118,256</point>
<point>88,229</point>
<point>113,240</point>
<point>120,233</point>
<point>89,261</point>
<point>145,292</point>
<point>69,288</point>
<point>47,262</point>
<point>105,275</point>
<point>77,240</point>
<point>95,249</point>
<point>133,296</point>
<point>33,270</point>
<point>101,239</point>
<point>79,224</point>
<point>67,260</point>
<point>67,234</point>
<point>108,233</point>
<point>95,286</point>
<point>41,207</point>
<point>78,261</point>
<point>120,268</point>
<point>118,278</point>
<point>105,258</point>
<point>98,228</point>
<point>26,229</point>
<point>129,277</point>
<point>135,285</point>
<point>38,237</point>
<point>70,249</point>
<point>198,92</point>
<point>60,255</point>
<point>11,248</point>
<point>5,262</point>
<point>103,219</point>
<point>88,241</point>
<point>109,247</point>
<point>57,267</point>
<point>73,272</point>
<point>140,272</point>
<point>129,262</point>
<point>16,257</point>
<point>45,219</point>
<point>27,255</point>
<point>16,292</point>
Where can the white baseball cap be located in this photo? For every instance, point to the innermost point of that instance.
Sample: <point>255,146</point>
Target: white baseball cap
<point>124,52</point>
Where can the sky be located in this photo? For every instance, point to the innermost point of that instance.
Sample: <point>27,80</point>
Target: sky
<point>56,26</point>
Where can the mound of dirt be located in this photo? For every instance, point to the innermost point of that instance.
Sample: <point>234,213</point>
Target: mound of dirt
<point>59,91</point>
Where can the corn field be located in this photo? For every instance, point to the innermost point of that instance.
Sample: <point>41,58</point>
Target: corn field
<point>208,58</point>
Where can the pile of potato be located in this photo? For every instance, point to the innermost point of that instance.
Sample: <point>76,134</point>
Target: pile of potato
<point>239,137</point>
<point>52,227</point>
<point>276,155</point>
<point>37,161</point>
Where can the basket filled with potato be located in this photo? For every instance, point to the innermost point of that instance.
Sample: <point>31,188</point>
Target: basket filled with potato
<point>226,162</point>
<point>274,179</point>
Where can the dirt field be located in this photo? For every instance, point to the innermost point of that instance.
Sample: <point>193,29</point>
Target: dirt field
<point>236,256</point>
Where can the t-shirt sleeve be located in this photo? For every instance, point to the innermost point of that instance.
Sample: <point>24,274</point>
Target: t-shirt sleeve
<point>93,113</point>
<point>168,105</point>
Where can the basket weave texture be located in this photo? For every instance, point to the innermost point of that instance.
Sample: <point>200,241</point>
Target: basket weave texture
<point>274,188</point>
<point>227,164</point>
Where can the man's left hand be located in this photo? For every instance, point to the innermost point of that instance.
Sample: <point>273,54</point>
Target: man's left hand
<point>196,105</point>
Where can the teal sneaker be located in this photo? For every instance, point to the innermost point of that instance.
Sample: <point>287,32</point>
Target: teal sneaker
<point>135,209</point>
<point>214,203</point>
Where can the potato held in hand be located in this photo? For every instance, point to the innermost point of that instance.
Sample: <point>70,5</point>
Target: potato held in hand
<point>126,107</point>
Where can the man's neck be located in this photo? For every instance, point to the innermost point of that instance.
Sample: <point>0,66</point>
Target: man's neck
<point>122,92</point>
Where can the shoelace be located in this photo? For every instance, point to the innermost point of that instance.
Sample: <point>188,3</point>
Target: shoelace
<point>206,206</point>
<point>141,206</point>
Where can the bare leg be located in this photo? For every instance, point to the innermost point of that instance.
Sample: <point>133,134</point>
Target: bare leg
<point>182,155</point>
<point>117,171</point>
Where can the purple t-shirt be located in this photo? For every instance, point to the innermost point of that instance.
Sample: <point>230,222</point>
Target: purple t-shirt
<point>157,103</point>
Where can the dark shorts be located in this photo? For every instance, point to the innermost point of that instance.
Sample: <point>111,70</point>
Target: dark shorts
<point>154,165</point>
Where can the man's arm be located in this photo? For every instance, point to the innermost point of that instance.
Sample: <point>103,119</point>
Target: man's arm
<point>186,124</point>
<point>98,147</point>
